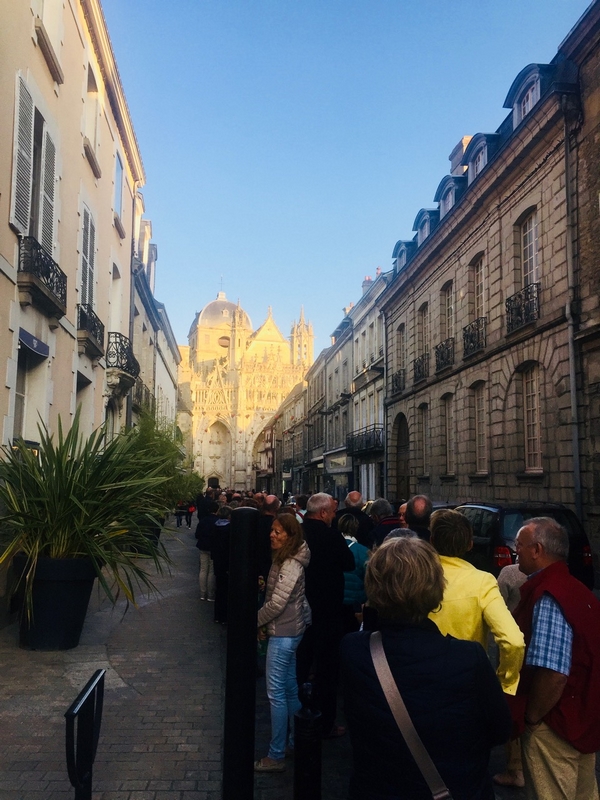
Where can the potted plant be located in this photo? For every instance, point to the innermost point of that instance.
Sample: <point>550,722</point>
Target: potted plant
<point>74,510</point>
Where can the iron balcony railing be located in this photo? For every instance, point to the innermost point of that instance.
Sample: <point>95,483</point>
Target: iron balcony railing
<point>141,395</point>
<point>89,321</point>
<point>365,440</point>
<point>119,354</point>
<point>399,381</point>
<point>421,367</point>
<point>474,337</point>
<point>36,261</point>
<point>523,307</point>
<point>444,354</point>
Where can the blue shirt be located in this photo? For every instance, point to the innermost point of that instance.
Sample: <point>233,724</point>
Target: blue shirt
<point>551,642</point>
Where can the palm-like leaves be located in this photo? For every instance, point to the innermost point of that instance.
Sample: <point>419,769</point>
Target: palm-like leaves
<point>81,497</point>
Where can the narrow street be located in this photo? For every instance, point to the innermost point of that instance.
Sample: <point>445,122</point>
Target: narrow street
<point>162,726</point>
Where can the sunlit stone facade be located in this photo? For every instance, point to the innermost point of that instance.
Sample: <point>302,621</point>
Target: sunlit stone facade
<point>231,381</point>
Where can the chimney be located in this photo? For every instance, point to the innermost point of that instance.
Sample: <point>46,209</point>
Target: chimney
<point>456,155</point>
<point>366,284</point>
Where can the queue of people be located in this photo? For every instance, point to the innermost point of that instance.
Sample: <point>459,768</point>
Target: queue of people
<point>399,578</point>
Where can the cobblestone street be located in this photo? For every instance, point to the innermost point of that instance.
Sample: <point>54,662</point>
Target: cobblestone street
<point>162,727</point>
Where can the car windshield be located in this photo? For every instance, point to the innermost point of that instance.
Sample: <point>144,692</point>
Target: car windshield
<point>513,520</point>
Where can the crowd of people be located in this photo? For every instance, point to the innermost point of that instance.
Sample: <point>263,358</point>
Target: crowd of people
<point>336,583</point>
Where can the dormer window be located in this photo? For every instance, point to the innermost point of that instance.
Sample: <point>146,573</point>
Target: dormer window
<point>424,230</point>
<point>479,161</point>
<point>529,85</point>
<point>447,201</point>
<point>529,98</point>
<point>401,260</point>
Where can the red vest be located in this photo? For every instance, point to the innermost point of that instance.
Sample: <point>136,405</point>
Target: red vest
<point>576,716</point>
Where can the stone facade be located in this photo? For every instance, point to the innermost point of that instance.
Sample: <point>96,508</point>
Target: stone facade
<point>232,380</point>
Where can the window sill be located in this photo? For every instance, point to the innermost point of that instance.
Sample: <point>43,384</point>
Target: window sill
<point>479,477</point>
<point>531,477</point>
<point>48,51</point>
<point>448,478</point>
<point>91,157</point>
<point>119,226</point>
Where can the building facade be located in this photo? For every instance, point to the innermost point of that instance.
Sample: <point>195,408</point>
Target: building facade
<point>232,380</point>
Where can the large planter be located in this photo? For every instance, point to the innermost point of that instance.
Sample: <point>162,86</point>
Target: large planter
<point>60,596</point>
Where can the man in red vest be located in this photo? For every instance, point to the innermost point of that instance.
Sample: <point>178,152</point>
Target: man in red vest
<point>559,691</point>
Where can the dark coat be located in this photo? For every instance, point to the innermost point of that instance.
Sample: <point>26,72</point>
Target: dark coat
<point>453,698</point>
<point>364,534</point>
<point>329,559</point>
<point>204,531</point>
<point>383,527</point>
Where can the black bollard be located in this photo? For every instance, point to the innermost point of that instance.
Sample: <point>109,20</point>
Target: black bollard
<point>307,748</point>
<point>240,677</point>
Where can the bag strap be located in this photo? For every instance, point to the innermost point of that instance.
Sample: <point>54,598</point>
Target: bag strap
<point>438,788</point>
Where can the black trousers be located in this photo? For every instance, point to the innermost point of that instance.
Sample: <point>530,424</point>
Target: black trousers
<point>318,661</point>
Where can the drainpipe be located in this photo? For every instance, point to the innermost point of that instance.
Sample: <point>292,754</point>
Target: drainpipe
<point>128,399</point>
<point>571,323</point>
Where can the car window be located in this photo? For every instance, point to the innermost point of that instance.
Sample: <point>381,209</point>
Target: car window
<point>474,517</point>
<point>486,525</point>
<point>513,520</point>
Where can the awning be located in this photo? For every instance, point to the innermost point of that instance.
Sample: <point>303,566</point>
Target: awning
<point>34,344</point>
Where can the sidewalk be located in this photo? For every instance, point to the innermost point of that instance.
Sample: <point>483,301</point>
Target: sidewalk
<point>162,727</point>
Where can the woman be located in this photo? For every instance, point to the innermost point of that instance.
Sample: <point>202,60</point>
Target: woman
<point>354,582</point>
<point>286,615</point>
<point>448,686</point>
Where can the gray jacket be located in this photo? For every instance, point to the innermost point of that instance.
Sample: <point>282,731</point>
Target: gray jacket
<point>286,611</point>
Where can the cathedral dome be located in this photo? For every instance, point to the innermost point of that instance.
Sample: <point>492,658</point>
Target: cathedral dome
<point>220,313</point>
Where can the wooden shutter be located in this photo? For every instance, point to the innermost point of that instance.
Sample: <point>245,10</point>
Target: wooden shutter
<point>47,189</point>
<point>20,209</point>
<point>87,259</point>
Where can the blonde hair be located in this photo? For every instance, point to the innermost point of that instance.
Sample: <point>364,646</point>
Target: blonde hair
<point>404,580</point>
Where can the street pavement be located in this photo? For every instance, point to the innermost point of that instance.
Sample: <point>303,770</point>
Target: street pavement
<point>162,727</point>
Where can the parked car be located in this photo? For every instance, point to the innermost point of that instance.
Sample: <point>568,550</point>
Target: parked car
<point>495,528</point>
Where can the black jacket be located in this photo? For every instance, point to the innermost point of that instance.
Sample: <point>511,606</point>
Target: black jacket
<point>364,534</point>
<point>204,530</point>
<point>330,557</point>
<point>455,702</point>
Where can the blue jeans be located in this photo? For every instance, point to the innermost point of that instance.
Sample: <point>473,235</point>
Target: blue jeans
<point>282,691</point>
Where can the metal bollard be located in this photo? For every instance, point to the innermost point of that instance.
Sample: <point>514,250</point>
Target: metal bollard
<point>87,710</point>
<point>240,676</point>
<point>307,748</point>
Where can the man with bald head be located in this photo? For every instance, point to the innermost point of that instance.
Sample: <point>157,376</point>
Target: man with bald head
<point>354,504</point>
<point>418,515</point>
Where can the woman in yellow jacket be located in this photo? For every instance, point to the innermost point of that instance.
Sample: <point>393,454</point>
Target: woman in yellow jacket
<point>472,605</point>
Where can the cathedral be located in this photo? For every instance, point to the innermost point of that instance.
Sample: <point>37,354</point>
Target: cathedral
<point>231,381</point>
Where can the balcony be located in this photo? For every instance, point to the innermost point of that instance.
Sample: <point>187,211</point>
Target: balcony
<point>41,282</point>
<point>474,337</point>
<point>399,381</point>
<point>90,332</point>
<point>444,354</point>
<point>142,397</point>
<point>365,440</point>
<point>122,367</point>
<point>421,368</point>
<point>523,307</point>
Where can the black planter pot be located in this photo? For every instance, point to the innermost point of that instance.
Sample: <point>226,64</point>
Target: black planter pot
<point>61,593</point>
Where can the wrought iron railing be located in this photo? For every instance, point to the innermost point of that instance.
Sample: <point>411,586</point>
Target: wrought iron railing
<point>444,354</point>
<point>421,368</point>
<point>119,354</point>
<point>36,261</point>
<point>399,381</point>
<point>141,395</point>
<point>474,336</point>
<point>89,321</point>
<point>523,307</point>
<point>365,440</point>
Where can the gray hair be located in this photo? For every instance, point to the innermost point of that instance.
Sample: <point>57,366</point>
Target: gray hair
<point>381,508</point>
<point>552,536</point>
<point>398,533</point>
<point>318,502</point>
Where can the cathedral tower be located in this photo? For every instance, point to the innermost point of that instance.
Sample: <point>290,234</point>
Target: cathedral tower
<point>302,341</point>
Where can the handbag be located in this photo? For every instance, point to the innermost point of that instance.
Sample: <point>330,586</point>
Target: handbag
<point>437,787</point>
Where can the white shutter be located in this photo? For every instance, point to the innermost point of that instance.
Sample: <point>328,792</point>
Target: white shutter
<point>20,208</point>
<point>47,189</point>
<point>87,259</point>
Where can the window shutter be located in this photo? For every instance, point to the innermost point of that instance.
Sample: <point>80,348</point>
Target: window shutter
<point>20,209</point>
<point>84,257</point>
<point>91,258</point>
<point>48,182</point>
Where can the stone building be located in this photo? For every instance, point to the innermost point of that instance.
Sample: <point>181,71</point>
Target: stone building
<point>232,380</point>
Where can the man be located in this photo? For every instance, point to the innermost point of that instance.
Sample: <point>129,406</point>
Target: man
<point>559,689</point>
<point>354,505</point>
<point>418,515</point>
<point>472,605</point>
<point>384,520</point>
<point>402,515</point>
<point>318,654</point>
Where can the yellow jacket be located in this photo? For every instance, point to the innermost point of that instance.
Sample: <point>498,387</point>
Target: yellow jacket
<point>471,608</point>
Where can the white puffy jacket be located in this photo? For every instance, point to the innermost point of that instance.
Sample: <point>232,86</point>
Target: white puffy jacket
<point>286,611</point>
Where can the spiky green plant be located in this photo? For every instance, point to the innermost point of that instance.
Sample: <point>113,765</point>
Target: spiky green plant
<point>80,497</point>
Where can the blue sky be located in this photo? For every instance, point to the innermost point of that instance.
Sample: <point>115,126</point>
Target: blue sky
<point>288,144</point>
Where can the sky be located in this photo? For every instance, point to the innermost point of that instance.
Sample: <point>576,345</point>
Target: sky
<point>289,144</point>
